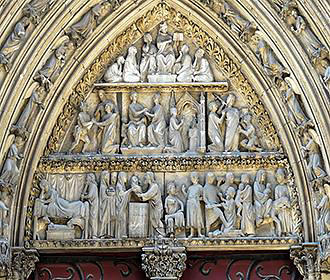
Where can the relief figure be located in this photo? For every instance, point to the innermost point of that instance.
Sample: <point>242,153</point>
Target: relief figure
<point>213,213</point>
<point>10,171</point>
<point>110,124</point>
<point>323,208</point>
<point>174,211</point>
<point>148,65</point>
<point>122,200</point>
<point>13,43</point>
<point>184,65</point>
<point>136,128</point>
<point>131,72</point>
<point>91,195</point>
<point>82,129</point>
<point>251,141</point>
<point>194,209</point>
<point>248,212</point>
<point>165,55</point>
<point>156,129</point>
<point>154,198</point>
<point>282,203</point>
<point>214,129</point>
<point>202,70</point>
<point>174,134</point>
<point>114,73</point>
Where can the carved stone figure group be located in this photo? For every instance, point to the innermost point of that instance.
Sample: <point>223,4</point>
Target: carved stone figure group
<point>220,207</point>
<point>176,127</point>
<point>229,129</point>
<point>162,62</point>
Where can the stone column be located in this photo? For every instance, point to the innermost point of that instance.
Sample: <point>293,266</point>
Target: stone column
<point>164,260</point>
<point>306,259</point>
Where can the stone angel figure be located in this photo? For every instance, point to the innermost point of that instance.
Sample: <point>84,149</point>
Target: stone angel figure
<point>81,30</point>
<point>20,127</point>
<point>13,43</point>
<point>311,150</point>
<point>47,75</point>
<point>114,73</point>
<point>36,9</point>
<point>174,212</point>
<point>183,65</point>
<point>297,115</point>
<point>131,73</point>
<point>202,72</point>
<point>10,171</point>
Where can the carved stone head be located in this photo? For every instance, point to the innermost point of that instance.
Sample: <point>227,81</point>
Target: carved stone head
<point>194,178</point>
<point>147,38</point>
<point>280,176</point>
<point>210,177</point>
<point>230,194</point>
<point>231,100</point>
<point>230,178</point>
<point>261,176</point>
<point>245,179</point>
<point>163,27</point>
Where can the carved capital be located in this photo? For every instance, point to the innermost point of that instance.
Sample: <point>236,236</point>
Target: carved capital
<point>325,253</point>
<point>4,258</point>
<point>306,259</point>
<point>165,260</point>
<point>23,263</point>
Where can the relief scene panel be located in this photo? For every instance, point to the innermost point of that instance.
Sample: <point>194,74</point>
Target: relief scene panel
<point>129,205</point>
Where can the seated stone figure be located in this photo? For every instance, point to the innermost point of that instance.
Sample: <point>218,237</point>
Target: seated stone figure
<point>114,73</point>
<point>131,73</point>
<point>202,69</point>
<point>184,64</point>
<point>165,56</point>
<point>174,208</point>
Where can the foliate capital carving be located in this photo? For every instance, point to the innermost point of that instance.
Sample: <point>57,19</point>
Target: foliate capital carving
<point>4,257</point>
<point>23,263</point>
<point>165,260</point>
<point>306,259</point>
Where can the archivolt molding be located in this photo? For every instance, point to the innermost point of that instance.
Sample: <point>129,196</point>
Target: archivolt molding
<point>307,86</point>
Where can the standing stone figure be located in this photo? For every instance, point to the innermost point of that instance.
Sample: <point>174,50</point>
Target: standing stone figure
<point>229,182</point>
<point>194,209</point>
<point>81,132</point>
<point>248,226</point>
<point>174,134</point>
<point>13,43</point>
<point>131,72</point>
<point>91,195</point>
<point>202,70</point>
<point>114,73</point>
<point>136,128</point>
<point>282,203</point>
<point>306,35</point>
<point>107,198</point>
<point>154,197</point>
<point>122,200</point>
<point>3,219</point>
<point>36,9</point>
<point>323,207</point>
<point>174,211</point>
<point>214,129</point>
<point>10,171</point>
<point>212,203</point>
<point>165,55</point>
<point>263,202</point>
<point>148,65</point>
<point>232,117</point>
<point>156,129</point>
<point>184,63</point>
<point>110,124</point>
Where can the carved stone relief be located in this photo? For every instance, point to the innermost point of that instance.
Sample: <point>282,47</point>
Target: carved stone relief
<point>33,13</point>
